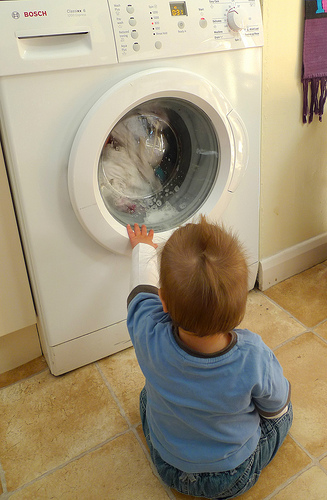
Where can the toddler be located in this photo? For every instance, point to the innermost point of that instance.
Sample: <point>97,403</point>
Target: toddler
<point>216,406</point>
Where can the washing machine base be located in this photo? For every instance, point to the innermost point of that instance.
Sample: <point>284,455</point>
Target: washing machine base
<point>86,349</point>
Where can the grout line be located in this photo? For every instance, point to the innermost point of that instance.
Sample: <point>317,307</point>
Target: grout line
<point>320,323</point>
<point>296,475</point>
<point>291,339</point>
<point>306,328</point>
<point>315,460</point>
<point>3,481</point>
<point>86,452</point>
<point>289,313</point>
<point>113,394</point>
<point>63,465</point>
<point>297,442</point>
<point>133,429</point>
<point>319,336</point>
<point>283,309</point>
<point>288,482</point>
<point>152,466</point>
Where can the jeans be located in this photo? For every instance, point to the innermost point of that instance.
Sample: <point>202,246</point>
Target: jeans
<point>229,484</point>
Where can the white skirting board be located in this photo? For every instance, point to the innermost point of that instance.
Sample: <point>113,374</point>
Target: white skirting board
<point>292,261</point>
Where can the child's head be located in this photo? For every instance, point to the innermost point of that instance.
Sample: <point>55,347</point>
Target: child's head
<point>204,278</point>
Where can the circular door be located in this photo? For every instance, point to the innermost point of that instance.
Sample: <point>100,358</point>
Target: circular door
<point>156,149</point>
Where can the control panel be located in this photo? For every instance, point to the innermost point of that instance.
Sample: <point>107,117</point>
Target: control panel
<point>150,30</point>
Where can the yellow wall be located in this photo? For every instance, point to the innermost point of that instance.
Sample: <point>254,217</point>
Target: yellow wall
<point>294,156</point>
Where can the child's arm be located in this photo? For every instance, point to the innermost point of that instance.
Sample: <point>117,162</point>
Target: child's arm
<point>144,258</point>
<point>273,397</point>
<point>143,301</point>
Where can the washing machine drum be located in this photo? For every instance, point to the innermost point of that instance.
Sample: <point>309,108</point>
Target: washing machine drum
<point>159,164</point>
<point>156,149</point>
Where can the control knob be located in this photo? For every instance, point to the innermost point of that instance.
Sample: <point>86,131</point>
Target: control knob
<point>236,19</point>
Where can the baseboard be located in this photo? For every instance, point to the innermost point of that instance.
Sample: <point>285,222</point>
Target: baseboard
<point>292,261</point>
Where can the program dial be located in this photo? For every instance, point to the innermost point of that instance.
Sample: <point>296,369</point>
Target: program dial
<point>237,19</point>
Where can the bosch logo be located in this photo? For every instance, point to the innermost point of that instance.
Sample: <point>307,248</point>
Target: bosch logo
<point>36,13</point>
<point>15,15</point>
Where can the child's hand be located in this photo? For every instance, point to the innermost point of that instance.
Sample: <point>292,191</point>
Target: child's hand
<point>140,235</point>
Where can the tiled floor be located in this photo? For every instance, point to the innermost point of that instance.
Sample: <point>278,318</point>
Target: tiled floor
<point>78,436</point>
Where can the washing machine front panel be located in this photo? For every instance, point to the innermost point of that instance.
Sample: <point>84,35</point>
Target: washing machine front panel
<point>157,148</point>
<point>57,69</point>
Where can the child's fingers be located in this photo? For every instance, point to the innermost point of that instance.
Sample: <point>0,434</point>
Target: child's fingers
<point>137,230</point>
<point>139,235</point>
<point>130,231</point>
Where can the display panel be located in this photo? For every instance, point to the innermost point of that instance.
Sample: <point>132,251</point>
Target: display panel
<point>159,164</point>
<point>178,9</point>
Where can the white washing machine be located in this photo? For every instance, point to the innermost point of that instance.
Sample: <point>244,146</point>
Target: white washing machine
<point>116,113</point>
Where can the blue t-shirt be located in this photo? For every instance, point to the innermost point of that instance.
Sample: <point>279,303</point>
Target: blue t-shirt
<point>202,411</point>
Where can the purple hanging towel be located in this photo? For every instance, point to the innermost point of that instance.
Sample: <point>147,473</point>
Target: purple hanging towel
<point>314,71</point>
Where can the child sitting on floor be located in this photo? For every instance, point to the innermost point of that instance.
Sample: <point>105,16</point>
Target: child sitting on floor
<point>216,406</point>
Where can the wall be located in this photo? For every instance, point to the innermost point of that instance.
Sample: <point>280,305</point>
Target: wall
<point>294,155</point>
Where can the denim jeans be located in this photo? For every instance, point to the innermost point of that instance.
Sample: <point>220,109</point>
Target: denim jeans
<point>229,484</point>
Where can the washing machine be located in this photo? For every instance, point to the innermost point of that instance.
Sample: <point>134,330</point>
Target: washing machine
<point>114,113</point>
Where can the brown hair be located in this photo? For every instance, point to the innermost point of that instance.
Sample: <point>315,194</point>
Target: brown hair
<point>204,278</point>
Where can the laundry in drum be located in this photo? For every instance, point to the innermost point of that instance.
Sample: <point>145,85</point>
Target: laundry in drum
<point>137,161</point>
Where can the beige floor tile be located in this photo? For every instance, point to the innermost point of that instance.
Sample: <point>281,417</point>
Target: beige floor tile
<point>311,485</point>
<point>304,364</point>
<point>46,421</point>
<point>125,377</point>
<point>323,462</point>
<point>304,295</point>
<point>118,470</point>
<point>273,324</point>
<point>289,460</point>
<point>322,329</point>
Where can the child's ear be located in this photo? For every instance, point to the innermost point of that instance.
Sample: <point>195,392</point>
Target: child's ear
<point>162,301</point>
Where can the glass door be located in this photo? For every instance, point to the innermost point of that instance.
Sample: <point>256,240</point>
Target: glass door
<point>159,164</point>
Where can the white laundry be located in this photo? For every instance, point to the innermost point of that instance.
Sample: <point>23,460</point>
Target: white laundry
<point>134,151</point>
